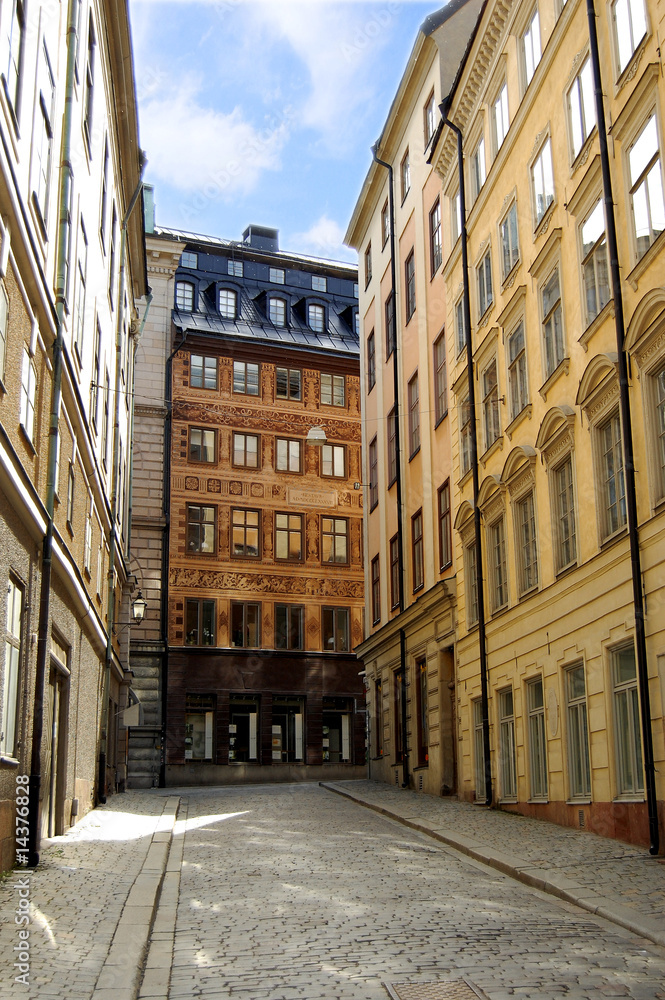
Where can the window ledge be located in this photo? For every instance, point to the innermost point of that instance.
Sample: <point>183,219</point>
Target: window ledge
<point>495,446</point>
<point>420,767</point>
<point>583,156</point>
<point>465,477</point>
<point>633,64</point>
<point>9,762</point>
<point>524,413</point>
<point>414,453</point>
<point>582,801</point>
<point>538,801</point>
<point>508,802</point>
<point>529,593</point>
<point>561,369</point>
<point>441,418</point>
<point>645,260</point>
<point>565,570</point>
<point>543,224</point>
<point>609,540</point>
<point>598,320</point>
<point>509,279</point>
<point>485,318</point>
<point>374,506</point>
<point>629,797</point>
<point>27,439</point>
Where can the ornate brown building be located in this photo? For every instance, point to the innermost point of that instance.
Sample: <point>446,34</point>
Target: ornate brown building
<point>265,577</point>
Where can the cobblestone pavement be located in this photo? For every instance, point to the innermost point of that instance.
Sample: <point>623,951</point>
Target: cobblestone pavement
<point>77,894</point>
<point>623,873</point>
<point>293,892</point>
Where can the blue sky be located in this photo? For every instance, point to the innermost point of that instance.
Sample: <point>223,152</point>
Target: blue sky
<point>263,112</point>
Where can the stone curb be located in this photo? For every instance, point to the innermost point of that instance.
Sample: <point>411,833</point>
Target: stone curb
<point>548,881</point>
<point>122,969</point>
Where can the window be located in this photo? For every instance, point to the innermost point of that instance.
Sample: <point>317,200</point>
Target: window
<point>594,262</point>
<point>659,384</point>
<point>478,170</point>
<point>491,404</point>
<point>289,629</point>
<point>245,450</point>
<point>333,460</point>
<point>405,175</point>
<point>104,195</point>
<point>500,119</point>
<point>112,237</point>
<point>414,416</point>
<point>422,719</point>
<point>429,119</point>
<point>235,268</point>
<point>246,378</point>
<point>630,24</point>
<point>465,434</point>
<point>107,416</point>
<point>537,740</point>
<point>497,554</point>
<point>201,528</point>
<point>199,727</point>
<point>289,536</point>
<point>410,285</point>
<point>28,395</point>
<point>440,379</point>
<point>531,51</point>
<point>333,390</point>
<point>478,749</point>
<point>385,223</point>
<point>445,543</point>
<point>13,657</point>
<point>376,591</point>
<point>319,283</point>
<point>392,448</point>
<point>471,580</point>
<point>316,318</point>
<point>243,729</point>
<point>202,445</point>
<point>398,709</point>
<point>87,543</point>
<point>335,627</point>
<point>435,245</point>
<point>417,549</point>
<point>287,455</point>
<point>373,475</point>
<point>334,540</point>
<point>542,178</point>
<point>507,767</point>
<point>371,362</point>
<point>277,311</point>
<point>553,345</point>
<point>81,281</point>
<point>510,248</point>
<point>200,626</point>
<point>203,372</point>
<point>189,259</point>
<point>579,769</point>
<point>460,328</point>
<point>43,138</point>
<point>4,319</point>
<point>288,383</point>
<point>245,624</point>
<point>455,217</point>
<point>581,107</point>
<point>228,300</point>
<point>89,86</point>
<point>517,371</point>
<point>277,275</point>
<point>627,725</point>
<point>245,533</point>
<point>96,368</point>
<point>526,544</point>
<point>378,716</point>
<point>566,545</point>
<point>368,264</point>
<point>484,275</point>
<point>12,40</point>
<point>646,187</point>
<point>390,325</point>
<point>184,296</point>
<point>394,573</point>
<point>613,482</point>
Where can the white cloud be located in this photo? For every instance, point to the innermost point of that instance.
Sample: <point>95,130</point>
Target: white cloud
<point>323,239</point>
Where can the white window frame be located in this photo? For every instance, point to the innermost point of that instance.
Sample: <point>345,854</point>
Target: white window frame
<point>227,303</point>
<point>333,389</point>
<point>333,461</point>
<point>564,512</point>
<point>484,282</point>
<point>535,702</point>
<point>478,168</point>
<point>543,190</point>
<point>509,241</point>
<point>594,261</point>
<point>28,395</point>
<point>577,724</point>
<point>496,541</point>
<point>627,726</point>
<point>518,370</point>
<point>581,107</point>
<point>316,317</point>
<point>478,748</point>
<point>184,296</point>
<point>552,330</point>
<point>319,283</point>
<point>531,48</point>
<point>612,479</point>
<point>526,542</point>
<point>507,746</point>
<point>630,26</point>
<point>490,391</point>
<point>500,118</point>
<point>647,186</point>
<point>12,668</point>
<point>235,268</point>
<point>4,325</point>
<point>247,378</point>
<point>277,275</point>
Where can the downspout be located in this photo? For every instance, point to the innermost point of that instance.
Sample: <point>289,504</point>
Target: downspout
<point>64,228</point>
<point>474,462</point>
<point>130,484</point>
<point>398,460</point>
<point>627,440</point>
<point>113,534</point>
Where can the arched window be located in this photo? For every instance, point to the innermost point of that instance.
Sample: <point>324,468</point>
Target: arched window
<point>228,303</point>
<point>184,296</point>
<point>316,318</point>
<point>277,312</point>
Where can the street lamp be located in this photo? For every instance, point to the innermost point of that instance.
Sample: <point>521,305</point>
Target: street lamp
<point>316,436</point>
<point>139,606</point>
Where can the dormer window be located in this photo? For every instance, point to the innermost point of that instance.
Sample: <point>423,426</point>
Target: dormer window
<point>316,318</point>
<point>228,302</point>
<point>184,296</point>
<point>277,312</point>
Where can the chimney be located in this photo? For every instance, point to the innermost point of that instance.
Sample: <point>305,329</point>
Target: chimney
<point>261,238</point>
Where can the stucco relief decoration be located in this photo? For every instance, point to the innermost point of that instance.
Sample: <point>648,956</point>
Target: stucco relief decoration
<point>214,486</point>
<point>354,393</point>
<point>267,534</point>
<point>226,375</point>
<point>311,389</point>
<point>357,632</point>
<point>523,481</point>
<point>539,139</point>
<point>654,348</point>
<point>233,581</point>
<point>235,488</point>
<point>223,619</point>
<point>312,537</point>
<point>354,463</point>
<point>191,483</point>
<point>256,489</point>
<point>356,539</point>
<point>230,415</point>
<point>341,588</point>
<point>552,712</point>
<point>312,588</point>
<point>267,452</point>
<point>604,401</point>
<point>494,508</point>
<point>279,492</point>
<point>311,460</point>
<point>312,625</point>
<point>344,499</point>
<point>268,383</point>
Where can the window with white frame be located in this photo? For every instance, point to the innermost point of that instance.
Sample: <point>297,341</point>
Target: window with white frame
<point>478,749</point>
<point>405,175</point>
<point>552,326</point>
<point>460,329</point>
<point>429,119</point>
<point>316,317</point>
<point>579,767</point>
<point>235,268</point>
<point>228,302</point>
<point>659,387</point>
<point>507,762</point>
<point>646,187</point>
<point>527,553</point>
<point>89,85</point>
<point>630,26</point>
<point>333,460</point>
<point>332,390</point>
<point>613,485</point>
<point>542,179</point>
<point>277,311</point>
<point>184,296</point>
<point>518,384</point>
<point>28,395</point>
<point>564,514</point>
<point>87,542</point>
<point>510,248</point>
<point>531,49</point>
<point>392,447</point>
<point>478,169</point>
<point>594,262</point>
<point>199,727</point>
<point>287,455</point>
<point>443,511</point>
<point>455,217</point>
<point>371,362</point>
<point>484,277</point>
<point>471,584</point>
<point>246,378</point>
<point>490,387</point>
<point>440,379</point>
<point>500,118</point>
<point>277,276</point>
<point>13,656</point>
<point>368,264</point>
<point>537,740</point>
<point>43,137</point>
<point>189,259</point>
<point>385,223</point>
<point>627,724</point>
<point>12,44</point>
<point>4,321</point>
<point>497,553</point>
<point>319,283</point>
<point>376,590</point>
<point>465,434</point>
<point>435,243</point>
<point>581,107</point>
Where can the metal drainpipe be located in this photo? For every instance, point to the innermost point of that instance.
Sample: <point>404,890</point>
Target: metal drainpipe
<point>113,534</point>
<point>474,464</point>
<point>64,226</point>
<point>398,459</point>
<point>130,485</point>
<point>627,439</point>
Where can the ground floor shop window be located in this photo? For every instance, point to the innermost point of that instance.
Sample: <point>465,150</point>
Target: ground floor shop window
<point>337,714</point>
<point>243,719</point>
<point>199,726</point>
<point>288,716</point>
